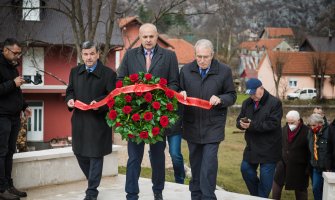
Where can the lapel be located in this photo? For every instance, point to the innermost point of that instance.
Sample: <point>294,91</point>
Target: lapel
<point>214,69</point>
<point>140,58</point>
<point>97,72</point>
<point>157,56</point>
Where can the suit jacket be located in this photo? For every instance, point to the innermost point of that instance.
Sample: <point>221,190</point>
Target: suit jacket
<point>207,126</point>
<point>91,136</point>
<point>164,64</point>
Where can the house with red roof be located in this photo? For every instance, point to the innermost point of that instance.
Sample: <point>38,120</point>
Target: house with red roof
<point>276,32</point>
<point>297,71</point>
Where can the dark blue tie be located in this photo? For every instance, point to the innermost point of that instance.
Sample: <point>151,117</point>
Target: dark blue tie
<point>203,73</point>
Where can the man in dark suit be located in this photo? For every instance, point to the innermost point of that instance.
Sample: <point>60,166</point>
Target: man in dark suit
<point>91,136</point>
<point>150,58</point>
<point>208,79</point>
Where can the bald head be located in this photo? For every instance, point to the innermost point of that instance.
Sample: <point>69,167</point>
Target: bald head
<point>148,36</point>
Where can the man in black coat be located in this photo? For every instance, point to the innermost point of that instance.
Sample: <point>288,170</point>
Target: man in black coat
<point>91,136</point>
<point>260,117</point>
<point>12,104</point>
<point>207,79</point>
<point>150,58</point>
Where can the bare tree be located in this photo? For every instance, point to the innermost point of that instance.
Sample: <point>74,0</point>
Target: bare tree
<point>278,61</point>
<point>319,62</point>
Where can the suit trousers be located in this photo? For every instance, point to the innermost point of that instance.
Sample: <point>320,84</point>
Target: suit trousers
<point>92,168</point>
<point>9,129</point>
<point>204,166</point>
<point>135,156</point>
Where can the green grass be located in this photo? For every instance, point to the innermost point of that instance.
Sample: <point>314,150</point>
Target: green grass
<point>241,98</point>
<point>229,175</point>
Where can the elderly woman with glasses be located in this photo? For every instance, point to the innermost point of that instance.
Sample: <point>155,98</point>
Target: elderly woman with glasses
<point>317,143</point>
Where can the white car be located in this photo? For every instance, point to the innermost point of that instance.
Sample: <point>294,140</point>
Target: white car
<point>304,93</point>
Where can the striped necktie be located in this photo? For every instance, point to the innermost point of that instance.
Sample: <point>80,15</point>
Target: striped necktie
<point>148,59</point>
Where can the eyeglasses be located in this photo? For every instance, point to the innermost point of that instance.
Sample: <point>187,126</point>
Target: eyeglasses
<point>15,53</point>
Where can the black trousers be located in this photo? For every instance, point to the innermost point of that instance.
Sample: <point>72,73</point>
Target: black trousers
<point>204,166</point>
<point>9,130</point>
<point>92,168</point>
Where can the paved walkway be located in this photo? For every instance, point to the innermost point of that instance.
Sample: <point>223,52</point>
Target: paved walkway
<point>112,188</point>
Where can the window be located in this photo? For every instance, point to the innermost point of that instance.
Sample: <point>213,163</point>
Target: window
<point>31,10</point>
<point>293,83</point>
<point>35,122</point>
<point>33,60</point>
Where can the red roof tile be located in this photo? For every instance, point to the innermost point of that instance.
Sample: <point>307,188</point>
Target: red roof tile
<point>301,62</point>
<point>183,49</point>
<point>126,20</point>
<point>278,32</point>
<point>269,44</point>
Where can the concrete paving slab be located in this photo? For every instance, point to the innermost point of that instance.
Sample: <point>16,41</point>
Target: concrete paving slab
<point>112,188</point>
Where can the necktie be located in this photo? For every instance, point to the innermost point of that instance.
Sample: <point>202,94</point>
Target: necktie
<point>256,104</point>
<point>148,59</point>
<point>203,72</point>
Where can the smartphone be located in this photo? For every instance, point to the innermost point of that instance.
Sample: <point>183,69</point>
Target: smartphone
<point>245,120</point>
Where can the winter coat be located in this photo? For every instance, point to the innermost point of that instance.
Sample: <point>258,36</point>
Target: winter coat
<point>322,146</point>
<point>91,136</point>
<point>331,147</point>
<point>264,136</point>
<point>203,126</point>
<point>294,160</point>
<point>11,98</point>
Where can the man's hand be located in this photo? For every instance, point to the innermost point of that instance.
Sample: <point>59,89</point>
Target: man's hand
<point>19,81</point>
<point>27,112</point>
<point>94,102</point>
<point>70,103</point>
<point>214,100</point>
<point>184,94</point>
<point>245,125</point>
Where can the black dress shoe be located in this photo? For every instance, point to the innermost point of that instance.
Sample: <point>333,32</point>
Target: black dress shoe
<point>158,196</point>
<point>16,192</point>
<point>8,196</point>
<point>90,198</point>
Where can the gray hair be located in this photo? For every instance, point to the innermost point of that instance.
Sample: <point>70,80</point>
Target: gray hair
<point>316,119</point>
<point>293,114</point>
<point>148,25</point>
<point>89,45</point>
<point>204,43</point>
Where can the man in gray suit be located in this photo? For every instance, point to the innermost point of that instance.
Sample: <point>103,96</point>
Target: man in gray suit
<point>159,62</point>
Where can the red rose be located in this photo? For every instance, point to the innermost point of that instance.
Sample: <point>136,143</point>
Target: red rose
<point>164,121</point>
<point>118,124</point>
<point>148,116</point>
<point>169,106</point>
<point>133,77</point>
<point>162,81</point>
<point>119,84</point>
<point>126,109</point>
<point>138,94</point>
<point>110,103</point>
<point>156,105</point>
<point>112,114</point>
<point>148,77</point>
<point>155,131</point>
<point>136,117</point>
<point>148,97</point>
<point>131,136</point>
<point>144,134</point>
<point>169,93</point>
<point>128,98</point>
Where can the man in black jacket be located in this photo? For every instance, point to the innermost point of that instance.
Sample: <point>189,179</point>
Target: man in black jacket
<point>260,117</point>
<point>205,78</point>
<point>91,136</point>
<point>12,105</point>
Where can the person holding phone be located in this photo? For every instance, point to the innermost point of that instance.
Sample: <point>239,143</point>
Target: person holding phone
<point>260,117</point>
